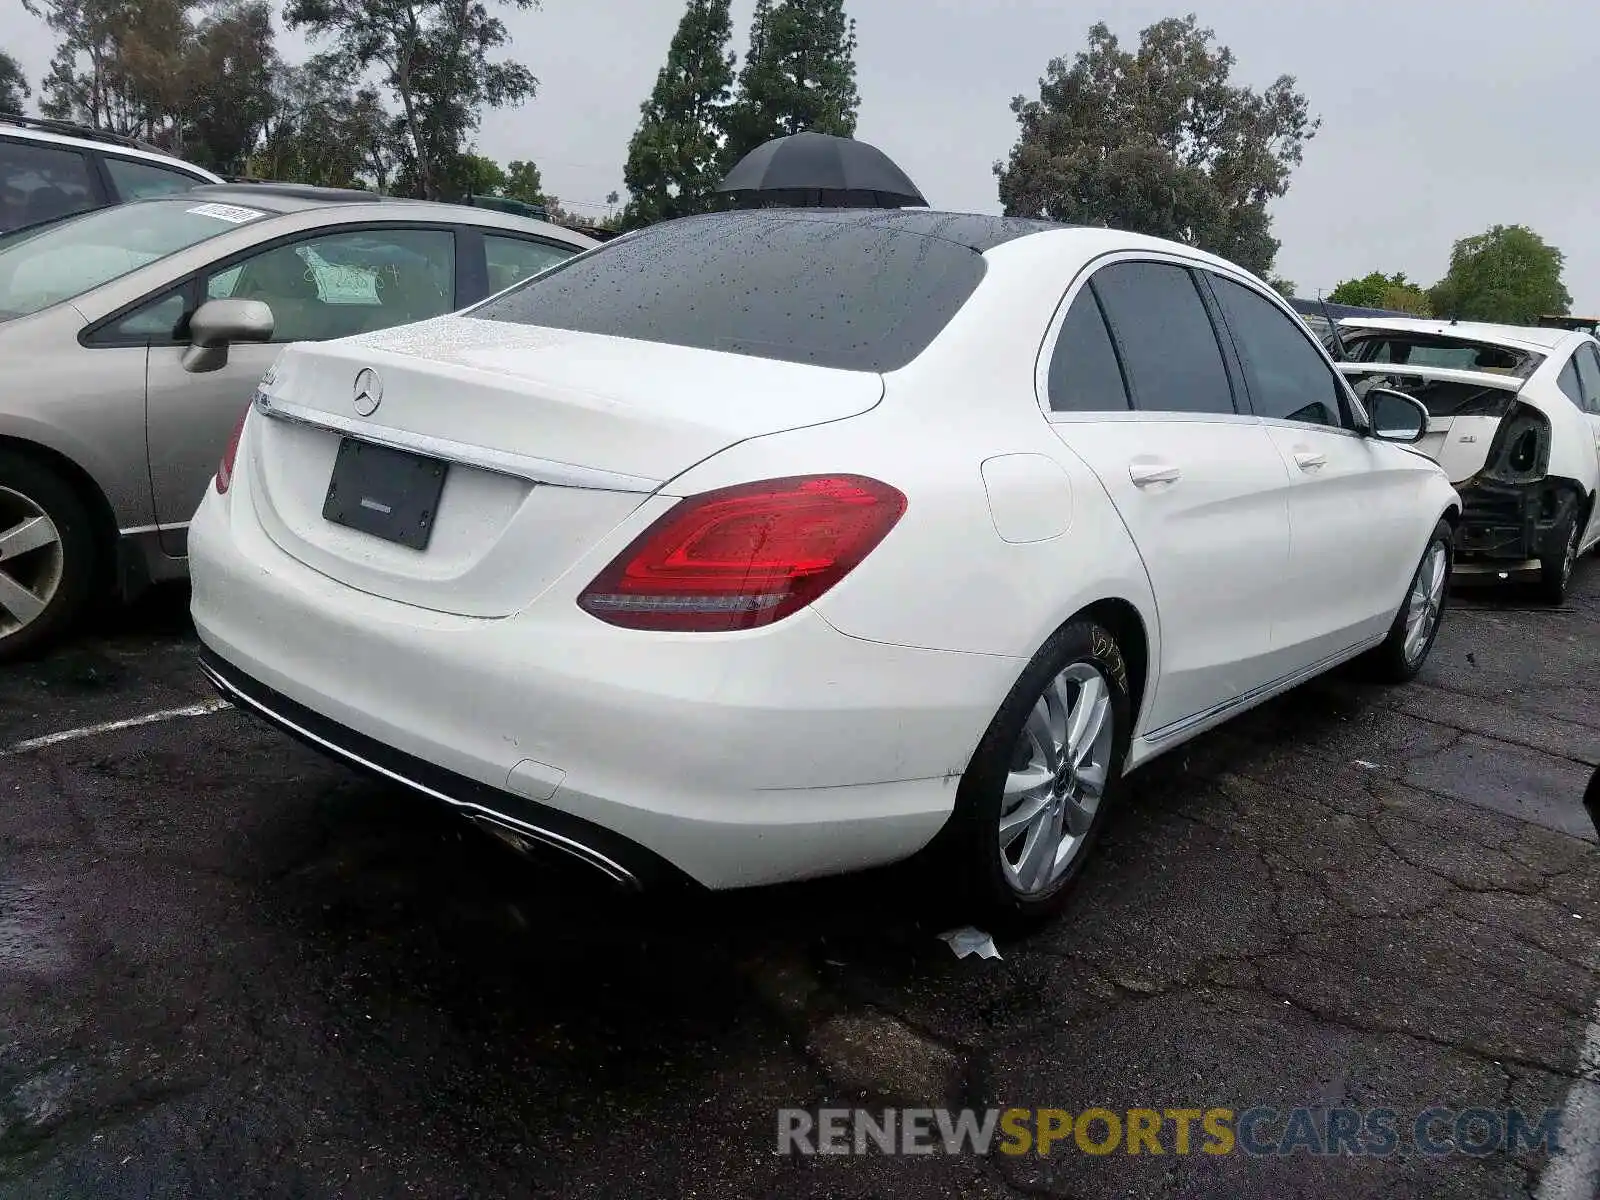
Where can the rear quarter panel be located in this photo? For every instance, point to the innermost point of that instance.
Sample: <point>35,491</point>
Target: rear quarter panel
<point>945,578</point>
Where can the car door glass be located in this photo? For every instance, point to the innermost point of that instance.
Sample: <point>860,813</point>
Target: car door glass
<point>1084,373</point>
<point>512,259</point>
<point>155,321</point>
<point>136,180</point>
<point>1589,373</point>
<point>41,183</point>
<point>335,285</point>
<point>1288,379</point>
<point>1169,348</point>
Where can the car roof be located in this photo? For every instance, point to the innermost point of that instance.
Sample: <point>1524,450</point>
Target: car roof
<point>976,231</point>
<point>1516,337</point>
<point>288,199</point>
<point>275,197</point>
<point>118,147</point>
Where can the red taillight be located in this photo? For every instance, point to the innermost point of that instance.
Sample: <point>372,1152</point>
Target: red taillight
<point>225,467</point>
<point>744,556</point>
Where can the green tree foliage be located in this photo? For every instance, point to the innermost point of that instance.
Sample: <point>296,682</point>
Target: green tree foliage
<point>196,81</point>
<point>800,75</point>
<point>482,176</point>
<point>324,132</point>
<point>435,58</point>
<point>523,182</point>
<point>673,158</point>
<point>1378,290</point>
<point>14,89</point>
<point>1509,274</point>
<point>1158,141</point>
<point>119,64</point>
<point>228,72</point>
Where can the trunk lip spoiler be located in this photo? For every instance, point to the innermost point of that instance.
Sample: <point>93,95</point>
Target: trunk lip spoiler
<point>500,462</point>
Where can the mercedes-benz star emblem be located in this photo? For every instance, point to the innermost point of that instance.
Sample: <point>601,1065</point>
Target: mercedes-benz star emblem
<point>368,392</point>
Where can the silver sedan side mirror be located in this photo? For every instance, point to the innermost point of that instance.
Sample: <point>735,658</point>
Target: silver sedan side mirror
<point>217,324</point>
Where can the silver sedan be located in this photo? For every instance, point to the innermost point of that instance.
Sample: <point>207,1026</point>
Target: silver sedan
<point>131,339</point>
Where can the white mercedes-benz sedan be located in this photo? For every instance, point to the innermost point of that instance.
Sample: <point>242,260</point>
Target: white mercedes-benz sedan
<point>773,544</point>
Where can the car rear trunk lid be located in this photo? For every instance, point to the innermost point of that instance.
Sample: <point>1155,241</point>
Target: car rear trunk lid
<point>543,441</point>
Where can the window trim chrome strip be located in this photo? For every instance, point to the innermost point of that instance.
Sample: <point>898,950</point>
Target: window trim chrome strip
<point>500,462</point>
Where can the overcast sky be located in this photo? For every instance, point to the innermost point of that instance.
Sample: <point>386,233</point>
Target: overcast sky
<point>1439,119</point>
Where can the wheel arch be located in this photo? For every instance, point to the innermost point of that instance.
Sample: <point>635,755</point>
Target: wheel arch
<point>1122,619</point>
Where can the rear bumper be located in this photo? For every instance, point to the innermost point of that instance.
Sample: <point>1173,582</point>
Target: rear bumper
<point>1510,527</point>
<point>740,759</point>
<point>622,862</point>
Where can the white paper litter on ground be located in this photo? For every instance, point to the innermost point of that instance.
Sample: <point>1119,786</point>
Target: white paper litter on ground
<point>970,941</point>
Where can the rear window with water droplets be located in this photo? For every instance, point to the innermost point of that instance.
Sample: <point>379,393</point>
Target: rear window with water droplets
<point>851,295</point>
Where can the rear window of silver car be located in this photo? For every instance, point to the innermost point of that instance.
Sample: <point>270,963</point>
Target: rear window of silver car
<point>770,284</point>
<point>63,261</point>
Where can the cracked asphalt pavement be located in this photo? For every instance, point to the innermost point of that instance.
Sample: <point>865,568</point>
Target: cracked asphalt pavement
<point>229,968</point>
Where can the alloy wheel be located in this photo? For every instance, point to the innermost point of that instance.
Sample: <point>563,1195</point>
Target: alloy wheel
<point>31,561</point>
<point>1057,779</point>
<point>1426,601</point>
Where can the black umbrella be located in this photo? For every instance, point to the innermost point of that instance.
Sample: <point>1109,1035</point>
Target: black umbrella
<point>817,170</point>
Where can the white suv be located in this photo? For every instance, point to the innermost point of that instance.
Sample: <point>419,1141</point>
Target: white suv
<point>52,169</point>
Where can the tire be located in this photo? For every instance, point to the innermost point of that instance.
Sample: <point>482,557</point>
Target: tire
<point>1398,658</point>
<point>1079,662</point>
<point>1555,572</point>
<point>47,575</point>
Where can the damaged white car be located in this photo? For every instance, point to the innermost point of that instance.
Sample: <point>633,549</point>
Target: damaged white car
<point>1514,419</point>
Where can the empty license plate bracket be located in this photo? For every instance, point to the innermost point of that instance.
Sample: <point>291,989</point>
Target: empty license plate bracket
<point>388,493</point>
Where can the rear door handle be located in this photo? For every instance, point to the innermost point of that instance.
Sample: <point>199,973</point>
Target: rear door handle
<point>1308,461</point>
<point>1144,474</point>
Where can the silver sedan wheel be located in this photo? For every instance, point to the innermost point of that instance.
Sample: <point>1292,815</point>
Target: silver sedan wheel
<point>1057,779</point>
<point>1425,602</point>
<point>31,561</point>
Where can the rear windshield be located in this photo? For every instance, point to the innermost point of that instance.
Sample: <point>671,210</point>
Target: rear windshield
<point>855,296</point>
<point>1425,350</point>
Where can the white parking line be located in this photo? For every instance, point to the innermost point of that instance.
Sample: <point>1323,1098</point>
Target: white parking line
<point>1575,1173</point>
<point>72,735</point>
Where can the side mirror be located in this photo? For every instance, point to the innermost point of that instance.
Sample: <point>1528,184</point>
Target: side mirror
<point>217,324</point>
<point>1396,417</point>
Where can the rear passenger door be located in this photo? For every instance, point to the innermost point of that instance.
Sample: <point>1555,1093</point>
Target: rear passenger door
<point>1355,504</point>
<point>1138,387</point>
